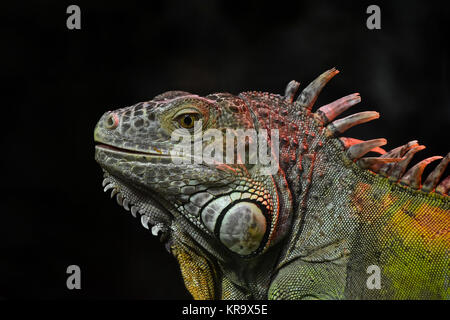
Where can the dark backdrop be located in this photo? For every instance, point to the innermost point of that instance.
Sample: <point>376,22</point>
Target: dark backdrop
<point>59,82</point>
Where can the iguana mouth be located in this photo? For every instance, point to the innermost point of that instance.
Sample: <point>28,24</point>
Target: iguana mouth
<point>157,153</point>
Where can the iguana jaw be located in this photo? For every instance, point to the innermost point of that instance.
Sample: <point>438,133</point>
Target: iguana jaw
<point>154,212</point>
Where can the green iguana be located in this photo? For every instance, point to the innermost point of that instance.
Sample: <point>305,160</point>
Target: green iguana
<point>331,217</point>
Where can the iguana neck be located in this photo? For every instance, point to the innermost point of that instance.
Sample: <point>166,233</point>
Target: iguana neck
<point>322,181</point>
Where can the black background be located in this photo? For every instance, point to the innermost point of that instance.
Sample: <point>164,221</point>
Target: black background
<point>59,82</point>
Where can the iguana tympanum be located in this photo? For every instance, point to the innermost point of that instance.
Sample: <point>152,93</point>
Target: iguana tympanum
<point>329,220</point>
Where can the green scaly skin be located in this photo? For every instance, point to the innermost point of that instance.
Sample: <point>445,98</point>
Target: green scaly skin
<point>310,231</point>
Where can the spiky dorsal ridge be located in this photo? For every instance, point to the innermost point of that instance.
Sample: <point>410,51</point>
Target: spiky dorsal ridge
<point>391,164</point>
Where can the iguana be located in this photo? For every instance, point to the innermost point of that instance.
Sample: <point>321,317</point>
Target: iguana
<point>336,211</point>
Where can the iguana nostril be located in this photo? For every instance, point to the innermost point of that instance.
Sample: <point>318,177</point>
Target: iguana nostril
<point>112,121</point>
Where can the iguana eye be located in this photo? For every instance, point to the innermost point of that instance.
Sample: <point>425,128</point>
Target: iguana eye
<point>187,120</point>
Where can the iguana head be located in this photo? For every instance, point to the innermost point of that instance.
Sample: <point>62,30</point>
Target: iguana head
<point>224,208</point>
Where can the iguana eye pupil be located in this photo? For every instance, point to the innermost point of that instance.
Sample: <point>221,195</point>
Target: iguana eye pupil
<point>187,121</point>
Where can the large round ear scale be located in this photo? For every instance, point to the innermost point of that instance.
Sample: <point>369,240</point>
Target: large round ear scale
<point>241,223</point>
<point>242,228</point>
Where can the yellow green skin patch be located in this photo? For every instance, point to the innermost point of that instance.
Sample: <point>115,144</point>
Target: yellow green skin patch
<point>412,239</point>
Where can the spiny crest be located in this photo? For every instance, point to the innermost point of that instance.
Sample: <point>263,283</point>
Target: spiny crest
<point>391,164</point>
